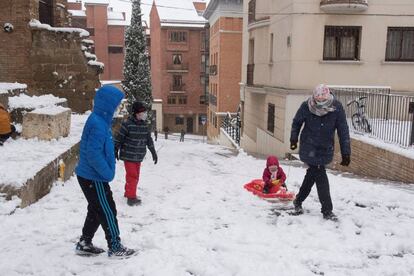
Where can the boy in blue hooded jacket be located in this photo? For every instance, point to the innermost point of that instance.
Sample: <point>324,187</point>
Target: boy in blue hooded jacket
<point>96,168</point>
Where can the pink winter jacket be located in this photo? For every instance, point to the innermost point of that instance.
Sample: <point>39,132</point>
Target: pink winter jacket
<point>272,160</point>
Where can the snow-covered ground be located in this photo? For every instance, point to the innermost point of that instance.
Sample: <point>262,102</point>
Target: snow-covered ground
<point>196,219</point>
<point>23,158</point>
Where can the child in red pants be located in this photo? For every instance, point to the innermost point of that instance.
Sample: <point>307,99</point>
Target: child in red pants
<point>131,146</point>
<point>273,176</point>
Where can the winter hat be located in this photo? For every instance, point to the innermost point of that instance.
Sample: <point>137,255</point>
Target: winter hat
<point>138,107</point>
<point>272,161</point>
<point>321,93</point>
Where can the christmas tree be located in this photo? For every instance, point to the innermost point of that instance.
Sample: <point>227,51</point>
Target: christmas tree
<point>137,75</point>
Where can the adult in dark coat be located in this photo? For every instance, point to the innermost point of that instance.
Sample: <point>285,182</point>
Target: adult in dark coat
<point>321,116</point>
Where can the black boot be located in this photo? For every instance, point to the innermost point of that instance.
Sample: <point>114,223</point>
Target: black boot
<point>298,206</point>
<point>330,216</point>
<point>87,248</point>
<point>134,201</point>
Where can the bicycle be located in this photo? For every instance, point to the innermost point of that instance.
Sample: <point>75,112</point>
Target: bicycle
<point>359,119</point>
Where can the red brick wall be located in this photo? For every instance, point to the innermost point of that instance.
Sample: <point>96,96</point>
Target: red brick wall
<point>155,54</point>
<point>116,60</point>
<point>226,53</point>
<point>97,18</point>
<point>74,6</point>
<point>375,162</point>
<point>161,54</point>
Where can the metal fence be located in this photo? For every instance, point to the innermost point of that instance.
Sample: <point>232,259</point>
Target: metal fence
<point>378,113</point>
<point>232,126</point>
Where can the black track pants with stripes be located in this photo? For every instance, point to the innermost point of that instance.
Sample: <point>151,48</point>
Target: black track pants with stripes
<point>101,211</point>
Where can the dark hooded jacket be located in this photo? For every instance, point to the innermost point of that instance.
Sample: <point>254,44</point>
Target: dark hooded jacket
<point>133,139</point>
<point>97,158</point>
<point>318,133</point>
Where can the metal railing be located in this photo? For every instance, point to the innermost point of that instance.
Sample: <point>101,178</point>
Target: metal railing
<point>177,87</point>
<point>379,113</point>
<point>232,126</point>
<point>177,67</point>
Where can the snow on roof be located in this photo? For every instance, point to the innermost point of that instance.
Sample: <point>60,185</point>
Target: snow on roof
<point>77,13</point>
<point>25,101</point>
<point>99,2</point>
<point>5,86</point>
<point>74,1</point>
<point>183,25</point>
<point>37,25</point>
<point>115,15</point>
<point>126,6</point>
<point>178,13</point>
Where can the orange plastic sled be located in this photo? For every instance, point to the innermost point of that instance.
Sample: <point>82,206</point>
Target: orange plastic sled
<point>276,192</point>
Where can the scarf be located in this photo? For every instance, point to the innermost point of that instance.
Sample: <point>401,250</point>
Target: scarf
<point>321,110</point>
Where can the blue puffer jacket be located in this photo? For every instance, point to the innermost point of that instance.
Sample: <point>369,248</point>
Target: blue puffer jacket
<point>317,137</point>
<point>97,157</point>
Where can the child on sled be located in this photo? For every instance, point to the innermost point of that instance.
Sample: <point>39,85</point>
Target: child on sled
<point>273,176</point>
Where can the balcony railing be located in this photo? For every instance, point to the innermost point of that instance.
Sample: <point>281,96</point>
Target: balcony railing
<point>250,73</point>
<point>174,88</point>
<point>350,6</point>
<point>213,70</point>
<point>177,67</point>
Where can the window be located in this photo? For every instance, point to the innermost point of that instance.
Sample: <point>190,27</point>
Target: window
<point>177,59</point>
<point>341,43</point>
<point>91,31</point>
<point>203,99</point>
<point>178,36</point>
<point>182,100</point>
<point>115,49</point>
<point>271,117</point>
<point>177,81</point>
<point>179,120</point>
<point>271,49</point>
<point>400,44</point>
<point>171,100</point>
<point>252,11</point>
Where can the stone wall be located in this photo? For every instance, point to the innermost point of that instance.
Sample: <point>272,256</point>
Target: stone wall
<point>40,185</point>
<point>15,45</point>
<point>32,56</point>
<point>60,68</point>
<point>372,161</point>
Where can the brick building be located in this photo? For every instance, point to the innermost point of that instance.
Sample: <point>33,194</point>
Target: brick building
<point>179,58</point>
<point>51,58</point>
<point>226,25</point>
<point>106,28</point>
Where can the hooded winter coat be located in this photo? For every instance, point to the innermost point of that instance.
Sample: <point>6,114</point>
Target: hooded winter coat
<point>5,127</point>
<point>133,139</point>
<point>317,137</point>
<point>267,175</point>
<point>97,157</point>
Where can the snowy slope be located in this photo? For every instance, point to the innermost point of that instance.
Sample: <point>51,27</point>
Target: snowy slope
<point>196,219</point>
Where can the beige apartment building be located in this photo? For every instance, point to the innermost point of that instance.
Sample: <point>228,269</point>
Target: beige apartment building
<point>290,46</point>
<point>226,21</point>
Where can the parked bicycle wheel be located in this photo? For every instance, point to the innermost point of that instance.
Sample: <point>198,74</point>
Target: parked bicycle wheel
<point>356,122</point>
<point>365,125</point>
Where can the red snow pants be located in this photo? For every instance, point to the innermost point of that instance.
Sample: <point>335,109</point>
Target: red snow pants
<point>132,170</point>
